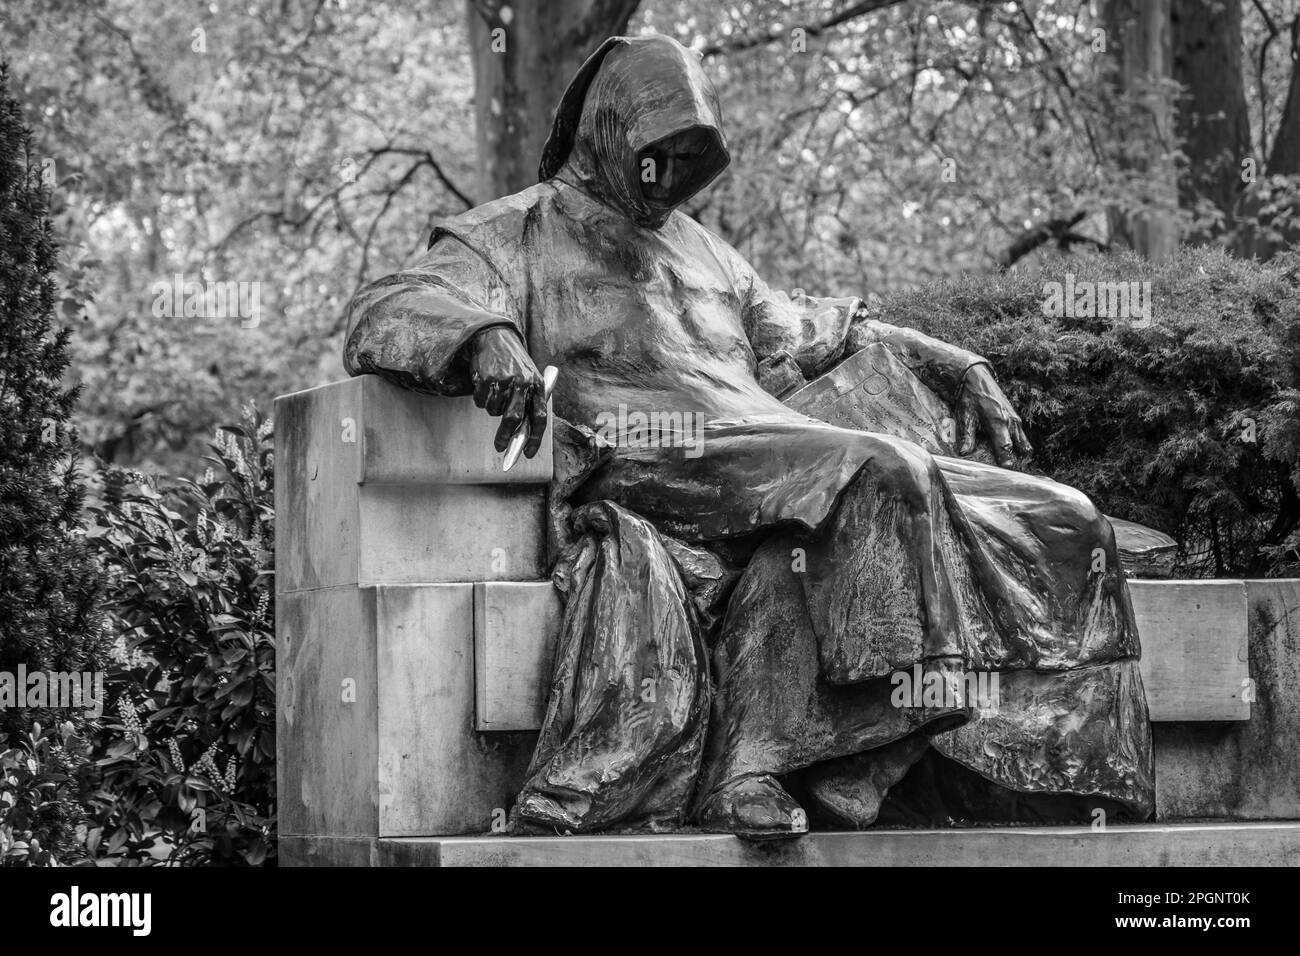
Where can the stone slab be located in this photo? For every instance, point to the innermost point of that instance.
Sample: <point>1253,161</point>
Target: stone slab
<point>327,851</point>
<point>437,774</point>
<point>1194,656</point>
<point>515,628</point>
<point>414,439</point>
<point>1227,844</point>
<point>326,748</point>
<point>377,484</point>
<point>418,534</point>
<point>394,752</point>
<point>1245,770</point>
<point>1194,649</point>
<point>316,473</point>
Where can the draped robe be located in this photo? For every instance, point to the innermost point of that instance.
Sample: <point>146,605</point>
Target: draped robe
<point>859,556</point>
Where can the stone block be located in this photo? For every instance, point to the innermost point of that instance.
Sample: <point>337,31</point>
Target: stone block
<point>1194,648</point>
<point>379,485</point>
<point>326,749</point>
<point>376,730</point>
<point>417,534</point>
<point>515,627</point>
<point>1244,770</point>
<point>414,439</point>
<point>437,773</point>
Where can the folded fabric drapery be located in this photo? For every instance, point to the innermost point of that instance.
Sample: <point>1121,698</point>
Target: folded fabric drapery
<point>861,555</point>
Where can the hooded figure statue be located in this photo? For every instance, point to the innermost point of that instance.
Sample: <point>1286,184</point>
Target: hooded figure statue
<point>768,617</point>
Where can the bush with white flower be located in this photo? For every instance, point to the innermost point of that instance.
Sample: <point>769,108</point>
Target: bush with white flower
<point>186,752</point>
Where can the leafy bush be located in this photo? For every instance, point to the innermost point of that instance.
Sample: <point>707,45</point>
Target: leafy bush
<point>1190,424</point>
<point>49,583</point>
<point>41,781</point>
<point>187,755</point>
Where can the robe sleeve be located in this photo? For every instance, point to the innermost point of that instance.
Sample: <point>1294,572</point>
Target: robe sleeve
<point>817,332</point>
<point>809,330</point>
<point>412,327</point>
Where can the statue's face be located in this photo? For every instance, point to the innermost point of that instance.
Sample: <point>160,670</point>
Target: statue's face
<point>675,165</point>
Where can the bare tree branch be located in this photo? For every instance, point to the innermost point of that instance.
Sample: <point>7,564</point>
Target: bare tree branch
<point>850,12</point>
<point>1259,75</point>
<point>432,163</point>
<point>280,217</point>
<point>155,92</point>
<point>374,223</point>
<point>1060,231</point>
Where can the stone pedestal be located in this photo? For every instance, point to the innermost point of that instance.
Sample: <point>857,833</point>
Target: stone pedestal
<point>415,635</point>
<point>405,561</point>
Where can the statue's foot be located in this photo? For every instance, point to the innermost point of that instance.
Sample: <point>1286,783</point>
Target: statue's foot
<point>537,810</point>
<point>753,808</point>
<point>847,792</point>
<point>851,789</point>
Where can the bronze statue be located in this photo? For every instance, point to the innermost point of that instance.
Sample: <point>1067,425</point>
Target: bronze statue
<point>759,604</point>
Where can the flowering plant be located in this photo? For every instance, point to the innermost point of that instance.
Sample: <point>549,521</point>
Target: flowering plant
<point>187,752</point>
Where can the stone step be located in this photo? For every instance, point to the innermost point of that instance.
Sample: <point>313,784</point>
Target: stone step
<point>1191,844</point>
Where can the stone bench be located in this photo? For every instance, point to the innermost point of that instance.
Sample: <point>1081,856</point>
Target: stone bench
<point>415,629</point>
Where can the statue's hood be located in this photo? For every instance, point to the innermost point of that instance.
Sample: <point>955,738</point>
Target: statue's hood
<point>630,94</point>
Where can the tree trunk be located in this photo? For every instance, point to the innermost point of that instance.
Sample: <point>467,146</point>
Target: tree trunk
<point>1138,33</point>
<point>1267,238</point>
<point>1211,120</point>
<point>1284,158</point>
<point>524,54</point>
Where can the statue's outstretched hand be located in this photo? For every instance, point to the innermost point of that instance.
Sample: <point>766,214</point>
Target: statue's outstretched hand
<point>507,383</point>
<point>982,404</point>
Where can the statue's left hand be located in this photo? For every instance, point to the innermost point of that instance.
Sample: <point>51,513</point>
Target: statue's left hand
<point>982,405</point>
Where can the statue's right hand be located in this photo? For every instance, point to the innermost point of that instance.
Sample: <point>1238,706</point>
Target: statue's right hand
<point>507,383</point>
